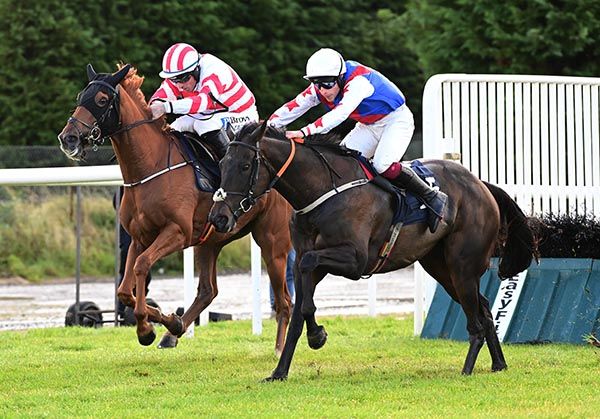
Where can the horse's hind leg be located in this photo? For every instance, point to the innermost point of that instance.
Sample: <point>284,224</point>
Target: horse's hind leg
<point>275,256</point>
<point>468,296</point>
<point>461,280</point>
<point>491,338</point>
<point>465,292</point>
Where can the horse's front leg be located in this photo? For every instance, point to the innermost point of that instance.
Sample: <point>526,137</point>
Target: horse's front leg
<point>170,239</point>
<point>206,261</point>
<point>125,290</point>
<point>315,264</point>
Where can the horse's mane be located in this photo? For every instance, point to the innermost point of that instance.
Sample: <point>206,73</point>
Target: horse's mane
<point>329,139</point>
<point>132,83</point>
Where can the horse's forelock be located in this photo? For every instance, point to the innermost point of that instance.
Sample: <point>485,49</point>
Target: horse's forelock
<point>132,83</point>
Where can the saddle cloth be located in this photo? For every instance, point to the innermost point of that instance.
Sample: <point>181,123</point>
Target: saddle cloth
<point>409,210</point>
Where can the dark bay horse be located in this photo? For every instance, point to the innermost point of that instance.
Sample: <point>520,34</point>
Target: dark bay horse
<point>162,208</point>
<point>343,235</point>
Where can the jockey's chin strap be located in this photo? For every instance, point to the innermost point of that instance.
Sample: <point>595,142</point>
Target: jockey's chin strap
<point>249,199</point>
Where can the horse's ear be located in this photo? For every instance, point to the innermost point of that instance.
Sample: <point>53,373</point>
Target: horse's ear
<point>91,73</point>
<point>119,75</point>
<point>261,130</point>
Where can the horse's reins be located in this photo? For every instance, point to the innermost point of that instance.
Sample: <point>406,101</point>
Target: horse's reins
<point>249,199</point>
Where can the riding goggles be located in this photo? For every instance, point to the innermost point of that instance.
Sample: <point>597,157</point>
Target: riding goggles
<point>324,83</point>
<point>182,78</point>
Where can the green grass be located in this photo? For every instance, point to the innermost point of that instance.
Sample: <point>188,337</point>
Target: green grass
<point>368,368</point>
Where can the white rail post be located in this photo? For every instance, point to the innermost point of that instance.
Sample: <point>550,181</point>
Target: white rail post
<point>372,281</point>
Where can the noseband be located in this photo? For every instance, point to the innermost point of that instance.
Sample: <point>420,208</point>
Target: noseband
<point>249,199</point>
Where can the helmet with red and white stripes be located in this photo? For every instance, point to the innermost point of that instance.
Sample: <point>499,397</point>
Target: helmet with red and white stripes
<point>179,59</point>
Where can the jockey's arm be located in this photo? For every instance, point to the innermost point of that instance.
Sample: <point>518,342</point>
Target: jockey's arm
<point>355,91</point>
<point>173,101</point>
<point>295,108</point>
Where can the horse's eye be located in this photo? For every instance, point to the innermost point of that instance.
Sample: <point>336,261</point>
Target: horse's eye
<point>102,101</point>
<point>246,167</point>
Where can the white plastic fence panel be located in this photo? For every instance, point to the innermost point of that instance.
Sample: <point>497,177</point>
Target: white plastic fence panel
<point>514,130</point>
<point>537,137</point>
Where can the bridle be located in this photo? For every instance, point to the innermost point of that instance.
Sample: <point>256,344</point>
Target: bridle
<point>107,118</point>
<point>249,198</point>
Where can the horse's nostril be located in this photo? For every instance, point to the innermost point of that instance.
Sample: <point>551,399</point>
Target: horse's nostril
<point>220,222</point>
<point>69,139</point>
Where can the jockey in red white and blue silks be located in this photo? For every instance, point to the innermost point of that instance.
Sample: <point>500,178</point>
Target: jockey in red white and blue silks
<point>385,123</point>
<point>384,126</point>
<point>211,96</point>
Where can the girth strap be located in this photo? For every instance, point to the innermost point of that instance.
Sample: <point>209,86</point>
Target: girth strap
<point>325,197</point>
<point>386,249</point>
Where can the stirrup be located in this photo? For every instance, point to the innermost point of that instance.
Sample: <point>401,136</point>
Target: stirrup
<point>435,215</point>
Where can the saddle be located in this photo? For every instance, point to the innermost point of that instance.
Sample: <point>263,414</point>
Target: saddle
<point>200,153</point>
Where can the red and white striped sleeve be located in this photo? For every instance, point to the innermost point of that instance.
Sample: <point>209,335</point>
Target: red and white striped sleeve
<point>295,108</point>
<point>217,80</point>
<point>166,91</point>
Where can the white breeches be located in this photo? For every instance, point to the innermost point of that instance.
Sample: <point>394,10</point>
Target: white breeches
<point>202,123</point>
<point>386,140</point>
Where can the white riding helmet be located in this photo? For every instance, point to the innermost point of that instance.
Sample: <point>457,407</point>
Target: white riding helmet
<point>326,62</point>
<point>179,59</point>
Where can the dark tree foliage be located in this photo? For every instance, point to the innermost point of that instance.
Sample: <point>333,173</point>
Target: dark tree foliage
<point>566,236</point>
<point>45,46</point>
<point>512,36</point>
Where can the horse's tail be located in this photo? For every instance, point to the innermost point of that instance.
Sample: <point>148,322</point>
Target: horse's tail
<point>517,241</point>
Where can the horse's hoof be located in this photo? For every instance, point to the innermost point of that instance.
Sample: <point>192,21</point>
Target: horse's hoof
<point>275,378</point>
<point>317,340</point>
<point>499,367</point>
<point>168,341</point>
<point>176,327</point>
<point>147,340</point>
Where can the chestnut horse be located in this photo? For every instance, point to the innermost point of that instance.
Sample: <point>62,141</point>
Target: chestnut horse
<point>162,208</point>
<point>343,234</point>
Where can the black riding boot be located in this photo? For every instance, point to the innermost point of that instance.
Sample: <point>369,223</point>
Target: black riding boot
<point>218,142</point>
<point>434,199</point>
